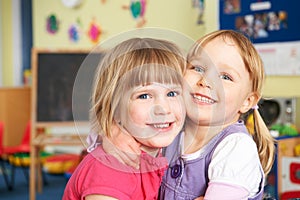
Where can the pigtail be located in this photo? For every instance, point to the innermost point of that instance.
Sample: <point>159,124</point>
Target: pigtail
<point>264,141</point>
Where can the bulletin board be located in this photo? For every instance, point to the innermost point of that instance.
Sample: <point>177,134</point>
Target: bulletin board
<point>273,27</point>
<point>263,21</point>
<point>54,74</point>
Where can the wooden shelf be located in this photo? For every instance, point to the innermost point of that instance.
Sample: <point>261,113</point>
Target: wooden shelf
<point>61,139</point>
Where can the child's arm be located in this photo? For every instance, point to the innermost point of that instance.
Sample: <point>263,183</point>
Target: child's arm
<point>99,197</point>
<point>234,169</point>
<point>225,192</point>
<point>122,146</point>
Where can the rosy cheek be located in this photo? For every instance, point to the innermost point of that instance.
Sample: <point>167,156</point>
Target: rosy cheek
<point>137,114</point>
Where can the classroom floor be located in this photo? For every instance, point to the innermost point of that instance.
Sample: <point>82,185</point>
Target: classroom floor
<point>52,190</point>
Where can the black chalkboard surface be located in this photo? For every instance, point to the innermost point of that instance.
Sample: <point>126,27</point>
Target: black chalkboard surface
<point>54,74</point>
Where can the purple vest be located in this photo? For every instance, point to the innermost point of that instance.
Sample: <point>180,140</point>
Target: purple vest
<point>189,179</point>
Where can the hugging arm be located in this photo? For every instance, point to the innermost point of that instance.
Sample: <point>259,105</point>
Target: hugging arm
<point>122,146</point>
<point>225,191</point>
<point>98,197</point>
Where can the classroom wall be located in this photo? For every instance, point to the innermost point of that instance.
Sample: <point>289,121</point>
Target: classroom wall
<point>10,43</point>
<point>6,38</point>
<point>172,14</point>
<point>1,82</point>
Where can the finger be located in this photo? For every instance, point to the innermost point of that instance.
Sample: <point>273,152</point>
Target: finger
<point>135,147</point>
<point>130,159</point>
<point>127,157</point>
<point>128,153</point>
<point>122,139</point>
<point>129,146</point>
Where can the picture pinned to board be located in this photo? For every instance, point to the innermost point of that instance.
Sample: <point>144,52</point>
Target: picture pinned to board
<point>52,24</point>
<point>137,9</point>
<point>259,25</point>
<point>94,31</point>
<point>75,31</point>
<point>232,6</point>
<point>199,5</point>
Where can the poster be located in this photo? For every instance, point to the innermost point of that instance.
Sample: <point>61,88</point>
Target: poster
<point>281,58</point>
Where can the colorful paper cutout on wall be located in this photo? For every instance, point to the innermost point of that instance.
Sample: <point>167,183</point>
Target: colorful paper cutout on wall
<point>74,31</point>
<point>94,32</point>
<point>137,9</point>
<point>71,3</point>
<point>52,24</point>
<point>199,4</point>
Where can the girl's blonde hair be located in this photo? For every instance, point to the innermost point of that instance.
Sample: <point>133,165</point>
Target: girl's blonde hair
<point>137,61</point>
<point>262,137</point>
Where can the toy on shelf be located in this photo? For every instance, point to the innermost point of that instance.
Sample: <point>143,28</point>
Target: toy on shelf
<point>285,129</point>
<point>60,163</point>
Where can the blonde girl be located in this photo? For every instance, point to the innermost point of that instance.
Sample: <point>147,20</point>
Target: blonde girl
<point>221,160</point>
<point>138,86</point>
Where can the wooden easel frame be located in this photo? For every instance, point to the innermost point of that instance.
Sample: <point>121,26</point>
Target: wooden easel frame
<point>39,140</point>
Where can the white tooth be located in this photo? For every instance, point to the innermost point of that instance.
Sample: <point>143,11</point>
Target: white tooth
<point>161,125</point>
<point>203,99</point>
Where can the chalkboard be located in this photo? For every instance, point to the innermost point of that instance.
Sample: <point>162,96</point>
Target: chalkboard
<point>54,74</point>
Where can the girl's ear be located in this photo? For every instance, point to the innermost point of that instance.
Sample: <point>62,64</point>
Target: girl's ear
<point>250,102</point>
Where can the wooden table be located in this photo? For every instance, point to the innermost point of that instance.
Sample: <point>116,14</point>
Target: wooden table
<point>37,144</point>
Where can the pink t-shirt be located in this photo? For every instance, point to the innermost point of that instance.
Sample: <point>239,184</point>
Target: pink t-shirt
<point>100,173</point>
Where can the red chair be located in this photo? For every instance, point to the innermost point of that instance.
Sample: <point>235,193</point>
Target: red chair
<point>2,164</point>
<point>22,148</point>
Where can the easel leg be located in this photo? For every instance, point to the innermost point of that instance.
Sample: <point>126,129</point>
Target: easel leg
<point>33,158</point>
<point>39,173</point>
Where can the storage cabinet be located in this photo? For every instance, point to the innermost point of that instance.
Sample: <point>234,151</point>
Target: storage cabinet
<point>15,110</point>
<point>284,179</point>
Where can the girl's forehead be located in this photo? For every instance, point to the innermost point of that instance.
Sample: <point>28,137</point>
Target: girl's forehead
<point>221,48</point>
<point>199,55</point>
<point>157,84</point>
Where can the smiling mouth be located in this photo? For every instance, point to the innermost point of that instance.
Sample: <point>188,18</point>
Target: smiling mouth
<point>162,125</point>
<point>203,99</point>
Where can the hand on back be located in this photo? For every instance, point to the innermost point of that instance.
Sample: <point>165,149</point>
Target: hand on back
<point>122,146</point>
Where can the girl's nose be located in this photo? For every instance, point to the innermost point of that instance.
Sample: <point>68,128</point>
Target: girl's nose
<point>161,108</point>
<point>202,82</point>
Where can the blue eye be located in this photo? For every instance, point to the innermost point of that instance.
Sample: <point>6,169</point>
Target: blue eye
<point>199,69</point>
<point>144,96</point>
<point>226,77</point>
<point>172,94</point>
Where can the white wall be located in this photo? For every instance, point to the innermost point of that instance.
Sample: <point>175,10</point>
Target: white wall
<point>1,47</point>
<point>17,42</point>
